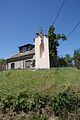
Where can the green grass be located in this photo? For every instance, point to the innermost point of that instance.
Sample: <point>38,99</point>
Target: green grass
<point>39,81</point>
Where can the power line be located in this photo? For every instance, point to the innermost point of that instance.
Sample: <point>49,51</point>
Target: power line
<point>71,31</point>
<point>59,12</point>
<point>58,15</point>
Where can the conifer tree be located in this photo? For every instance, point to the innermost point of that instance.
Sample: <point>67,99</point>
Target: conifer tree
<point>53,44</point>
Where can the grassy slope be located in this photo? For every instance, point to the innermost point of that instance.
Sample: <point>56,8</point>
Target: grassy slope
<point>42,81</point>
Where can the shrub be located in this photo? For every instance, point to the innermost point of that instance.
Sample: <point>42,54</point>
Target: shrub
<point>29,102</point>
<point>20,101</point>
<point>24,102</point>
<point>41,101</point>
<point>33,63</point>
<point>65,103</point>
<point>36,116</point>
<point>6,102</point>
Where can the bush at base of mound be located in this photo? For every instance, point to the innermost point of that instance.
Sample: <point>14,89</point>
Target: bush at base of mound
<point>66,104</point>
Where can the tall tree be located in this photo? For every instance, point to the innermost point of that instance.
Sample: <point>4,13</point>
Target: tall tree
<point>77,58</point>
<point>54,43</point>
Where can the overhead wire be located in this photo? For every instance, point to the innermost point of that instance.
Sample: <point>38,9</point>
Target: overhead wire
<point>57,17</point>
<point>71,31</point>
<point>59,12</point>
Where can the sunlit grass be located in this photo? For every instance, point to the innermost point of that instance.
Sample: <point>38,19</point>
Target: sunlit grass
<point>41,81</point>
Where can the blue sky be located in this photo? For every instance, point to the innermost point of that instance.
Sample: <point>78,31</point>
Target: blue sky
<point>21,19</point>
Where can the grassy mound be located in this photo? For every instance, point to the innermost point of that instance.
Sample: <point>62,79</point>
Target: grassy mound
<point>40,81</point>
<point>39,91</point>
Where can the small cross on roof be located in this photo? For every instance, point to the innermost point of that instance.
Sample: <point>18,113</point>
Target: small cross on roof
<point>41,30</point>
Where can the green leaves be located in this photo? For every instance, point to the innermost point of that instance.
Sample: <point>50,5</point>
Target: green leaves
<point>65,103</point>
<point>61,36</point>
<point>62,104</point>
<point>28,102</point>
<point>6,102</point>
<point>68,59</point>
<point>77,58</point>
<point>33,63</point>
<point>2,60</point>
<point>37,117</point>
<point>54,43</point>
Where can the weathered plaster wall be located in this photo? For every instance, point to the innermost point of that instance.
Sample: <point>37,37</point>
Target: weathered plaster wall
<point>42,62</point>
<point>18,64</point>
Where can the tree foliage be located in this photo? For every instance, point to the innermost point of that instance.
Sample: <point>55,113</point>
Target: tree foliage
<point>77,58</point>
<point>68,59</point>
<point>53,44</point>
<point>33,63</point>
<point>53,40</point>
<point>66,103</point>
<point>2,61</point>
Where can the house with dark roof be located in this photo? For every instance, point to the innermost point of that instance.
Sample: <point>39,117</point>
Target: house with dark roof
<point>29,53</point>
<point>23,59</point>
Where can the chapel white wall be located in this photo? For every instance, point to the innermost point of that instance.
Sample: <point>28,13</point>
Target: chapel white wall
<point>43,62</point>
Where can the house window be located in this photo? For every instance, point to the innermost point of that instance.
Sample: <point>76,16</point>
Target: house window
<point>12,65</point>
<point>28,64</point>
<point>24,49</point>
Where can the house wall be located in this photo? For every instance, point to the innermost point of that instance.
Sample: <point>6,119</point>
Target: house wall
<point>42,62</point>
<point>19,64</point>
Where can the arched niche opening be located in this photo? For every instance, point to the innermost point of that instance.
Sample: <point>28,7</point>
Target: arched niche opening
<point>42,49</point>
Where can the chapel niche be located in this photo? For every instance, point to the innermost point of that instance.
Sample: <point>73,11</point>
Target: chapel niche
<point>42,49</point>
